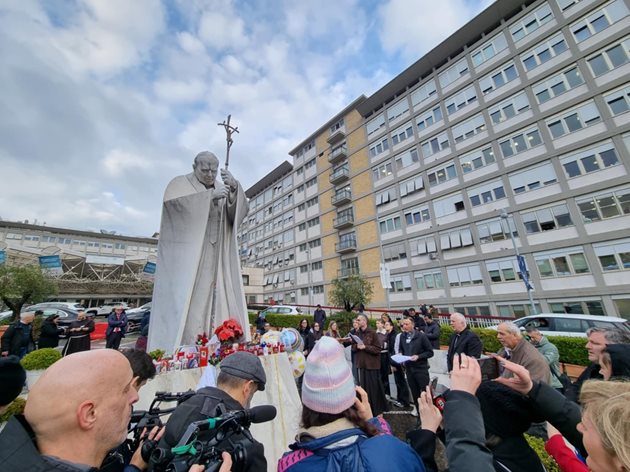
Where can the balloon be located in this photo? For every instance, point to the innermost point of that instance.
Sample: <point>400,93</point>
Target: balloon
<point>291,339</point>
<point>270,337</point>
<point>298,363</point>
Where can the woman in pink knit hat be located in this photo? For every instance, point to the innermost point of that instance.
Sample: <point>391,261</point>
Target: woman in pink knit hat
<point>338,431</point>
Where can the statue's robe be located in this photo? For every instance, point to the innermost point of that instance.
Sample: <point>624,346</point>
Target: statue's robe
<point>196,252</point>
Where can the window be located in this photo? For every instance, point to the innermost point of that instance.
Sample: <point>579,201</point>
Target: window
<point>461,99</point>
<point>308,165</point>
<point>610,58</point>
<point>562,263</point>
<point>517,310</point>
<point>313,222</point>
<point>489,49</point>
<point>577,118</point>
<point>483,310</point>
<point>442,174</point>
<point>477,159</point>
<point>311,182</point>
<point>312,202</point>
<point>450,75</point>
<point>557,84</point>
<point>498,78</point>
<point>300,188</point>
<point>509,108</point>
<point>533,178</point>
<point>605,205</point>
<point>486,193</point>
<point>591,307</point>
<point>428,280</point>
<point>422,246</point>
<point>379,147</point>
<point>590,159</point>
<point>448,205</point>
<point>316,265</point>
<point>424,92</point>
<point>245,279</point>
<point>618,101</point>
<point>304,291</point>
<point>375,124</point>
<point>389,224</point>
<point>30,237</point>
<point>454,239</point>
<point>495,230</point>
<point>301,207</point>
<point>302,227</point>
<point>417,215</point>
<point>564,5</point>
<point>400,283</point>
<point>530,23</point>
<point>398,109</point>
<point>460,276</point>
<point>337,126</point>
<point>299,171</point>
<point>598,21</point>
<point>546,219</point>
<point>317,289</point>
<point>411,186</point>
<point>429,118</point>
<point>314,243</point>
<point>382,171</point>
<point>613,255</point>
<point>469,128</point>
<point>435,144</point>
<point>520,142</point>
<point>503,270</point>
<point>385,197</point>
<point>394,252</point>
<point>544,52</point>
<point>304,269</point>
<point>401,134</point>
<point>406,159</point>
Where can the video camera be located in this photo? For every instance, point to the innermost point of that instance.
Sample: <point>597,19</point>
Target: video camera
<point>191,450</point>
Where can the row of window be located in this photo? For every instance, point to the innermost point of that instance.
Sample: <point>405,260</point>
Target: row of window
<point>76,243</point>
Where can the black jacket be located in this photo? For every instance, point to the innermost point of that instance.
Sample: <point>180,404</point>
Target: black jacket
<point>591,372</point>
<point>18,450</point>
<point>49,335</point>
<point>432,331</point>
<point>209,402</point>
<point>12,339</point>
<point>418,345</point>
<point>319,317</point>
<point>465,342</point>
<point>418,322</point>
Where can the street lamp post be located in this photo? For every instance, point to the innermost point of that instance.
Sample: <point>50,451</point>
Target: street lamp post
<point>308,271</point>
<point>521,262</point>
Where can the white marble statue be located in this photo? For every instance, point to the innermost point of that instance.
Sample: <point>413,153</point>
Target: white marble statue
<point>198,270</point>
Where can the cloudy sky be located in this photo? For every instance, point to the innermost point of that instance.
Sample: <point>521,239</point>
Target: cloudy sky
<point>102,102</point>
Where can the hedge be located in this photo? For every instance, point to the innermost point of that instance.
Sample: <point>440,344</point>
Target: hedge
<point>538,445</point>
<point>16,407</point>
<point>343,319</point>
<point>40,359</point>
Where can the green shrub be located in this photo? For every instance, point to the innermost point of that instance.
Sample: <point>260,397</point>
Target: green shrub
<point>16,407</point>
<point>157,354</point>
<point>40,359</point>
<point>343,319</point>
<point>488,339</point>
<point>538,445</point>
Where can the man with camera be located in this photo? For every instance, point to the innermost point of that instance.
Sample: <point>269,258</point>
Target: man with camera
<point>241,376</point>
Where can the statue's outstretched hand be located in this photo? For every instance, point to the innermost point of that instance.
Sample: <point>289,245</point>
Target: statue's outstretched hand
<point>228,179</point>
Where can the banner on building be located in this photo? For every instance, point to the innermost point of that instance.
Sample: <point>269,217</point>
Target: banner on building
<point>52,264</point>
<point>149,271</point>
<point>3,257</point>
<point>522,267</point>
<point>104,260</point>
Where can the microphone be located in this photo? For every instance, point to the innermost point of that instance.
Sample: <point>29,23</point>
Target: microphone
<point>257,414</point>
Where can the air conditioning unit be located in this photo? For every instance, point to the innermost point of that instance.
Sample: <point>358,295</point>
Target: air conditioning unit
<point>433,256</point>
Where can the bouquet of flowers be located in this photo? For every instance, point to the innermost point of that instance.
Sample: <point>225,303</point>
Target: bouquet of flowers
<point>230,331</point>
<point>202,339</point>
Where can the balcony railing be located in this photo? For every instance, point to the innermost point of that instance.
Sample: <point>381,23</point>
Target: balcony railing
<point>340,198</point>
<point>347,245</point>
<point>339,175</point>
<point>347,272</point>
<point>337,135</point>
<point>343,221</point>
<point>338,153</point>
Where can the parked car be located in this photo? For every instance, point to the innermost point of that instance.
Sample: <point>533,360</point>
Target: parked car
<point>565,324</point>
<point>40,306</point>
<point>105,310</point>
<point>141,309</point>
<point>282,310</point>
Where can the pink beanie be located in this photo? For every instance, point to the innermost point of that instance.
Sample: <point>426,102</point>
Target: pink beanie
<point>328,386</point>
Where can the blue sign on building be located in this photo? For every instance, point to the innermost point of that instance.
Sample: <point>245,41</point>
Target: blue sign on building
<point>149,268</point>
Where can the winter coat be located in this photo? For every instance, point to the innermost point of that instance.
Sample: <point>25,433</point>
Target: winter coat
<point>528,356</point>
<point>113,322</point>
<point>319,317</point>
<point>590,373</point>
<point>418,345</point>
<point>370,357</point>
<point>432,331</point>
<point>465,342</point>
<point>550,352</point>
<point>12,339</point>
<point>49,335</point>
<point>350,449</point>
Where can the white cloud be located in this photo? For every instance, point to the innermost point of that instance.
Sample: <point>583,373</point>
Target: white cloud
<point>118,162</point>
<point>413,30</point>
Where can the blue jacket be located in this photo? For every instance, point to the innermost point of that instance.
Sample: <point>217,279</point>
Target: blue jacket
<point>364,454</point>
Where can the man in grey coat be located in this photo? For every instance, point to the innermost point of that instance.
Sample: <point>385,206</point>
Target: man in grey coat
<point>519,351</point>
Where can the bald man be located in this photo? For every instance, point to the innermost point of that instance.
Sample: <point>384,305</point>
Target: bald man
<point>462,341</point>
<point>78,410</point>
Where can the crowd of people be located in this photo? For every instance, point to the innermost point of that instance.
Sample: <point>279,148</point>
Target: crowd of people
<point>77,415</point>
